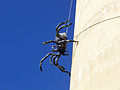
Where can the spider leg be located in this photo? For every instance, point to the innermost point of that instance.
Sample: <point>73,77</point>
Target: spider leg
<point>54,59</point>
<point>55,50</point>
<point>57,31</point>
<point>65,71</point>
<point>61,67</point>
<point>44,59</point>
<point>53,56</point>
<point>71,41</point>
<point>62,23</point>
<point>51,59</point>
<point>56,62</point>
<point>62,27</point>
<point>54,46</point>
<point>49,42</point>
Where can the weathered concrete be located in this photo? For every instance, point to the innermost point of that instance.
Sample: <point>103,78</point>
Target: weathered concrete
<point>96,59</point>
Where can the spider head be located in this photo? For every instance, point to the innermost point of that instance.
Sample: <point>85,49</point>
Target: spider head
<point>63,35</point>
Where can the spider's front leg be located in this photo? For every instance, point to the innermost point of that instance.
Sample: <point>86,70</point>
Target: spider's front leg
<point>57,30</point>
<point>62,23</point>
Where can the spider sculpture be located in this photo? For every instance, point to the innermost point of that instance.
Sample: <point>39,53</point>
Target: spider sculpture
<point>60,47</point>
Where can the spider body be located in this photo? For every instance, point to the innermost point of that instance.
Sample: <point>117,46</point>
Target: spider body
<point>63,37</point>
<point>60,47</point>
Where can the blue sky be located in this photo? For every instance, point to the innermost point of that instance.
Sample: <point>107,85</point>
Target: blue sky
<point>24,25</point>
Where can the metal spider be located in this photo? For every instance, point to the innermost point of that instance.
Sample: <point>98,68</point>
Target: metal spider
<point>60,47</point>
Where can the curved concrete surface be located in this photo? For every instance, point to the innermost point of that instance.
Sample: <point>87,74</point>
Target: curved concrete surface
<point>96,58</point>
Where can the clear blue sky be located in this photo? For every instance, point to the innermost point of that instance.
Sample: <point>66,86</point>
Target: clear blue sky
<point>24,25</point>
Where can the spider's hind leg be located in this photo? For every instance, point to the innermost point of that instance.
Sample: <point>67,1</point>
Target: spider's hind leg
<point>51,59</point>
<point>61,67</point>
<point>55,62</point>
<point>44,59</point>
<point>65,71</point>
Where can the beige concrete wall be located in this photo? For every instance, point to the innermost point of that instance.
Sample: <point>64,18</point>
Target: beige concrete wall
<point>96,59</point>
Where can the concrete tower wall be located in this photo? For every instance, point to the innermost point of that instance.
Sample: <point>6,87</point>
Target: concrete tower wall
<point>96,58</point>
